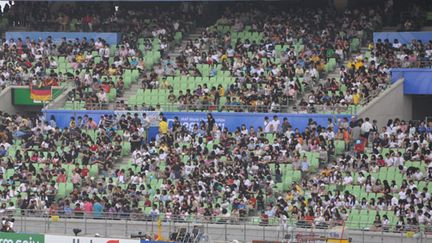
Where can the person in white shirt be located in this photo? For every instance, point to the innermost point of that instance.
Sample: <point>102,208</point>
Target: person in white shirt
<point>274,124</point>
<point>398,160</point>
<point>366,127</point>
<point>418,175</point>
<point>106,52</point>
<point>267,125</point>
<point>402,195</point>
<point>5,144</point>
<point>102,96</point>
<point>389,160</point>
<point>396,44</point>
<point>348,180</point>
<point>98,44</point>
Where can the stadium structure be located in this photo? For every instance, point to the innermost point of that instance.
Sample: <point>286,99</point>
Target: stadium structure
<point>216,121</point>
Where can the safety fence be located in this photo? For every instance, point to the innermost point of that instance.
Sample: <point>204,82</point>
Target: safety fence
<point>204,229</point>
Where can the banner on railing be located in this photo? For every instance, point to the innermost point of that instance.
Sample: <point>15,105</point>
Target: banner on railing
<point>63,117</point>
<point>21,96</point>
<point>230,120</point>
<point>79,239</point>
<point>402,37</point>
<point>111,38</point>
<point>417,81</point>
<point>21,238</point>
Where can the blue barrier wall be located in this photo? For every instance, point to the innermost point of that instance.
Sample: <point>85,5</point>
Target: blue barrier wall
<point>395,74</point>
<point>418,81</point>
<point>233,120</point>
<point>62,117</point>
<point>110,37</point>
<point>403,37</point>
<point>230,120</point>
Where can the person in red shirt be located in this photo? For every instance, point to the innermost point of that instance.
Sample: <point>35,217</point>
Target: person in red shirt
<point>28,64</point>
<point>78,210</point>
<point>230,181</point>
<point>252,202</point>
<point>88,206</point>
<point>309,218</point>
<point>85,171</point>
<point>106,87</point>
<point>91,124</point>
<point>61,178</point>
<point>147,202</point>
<point>380,161</point>
<point>94,147</point>
<point>264,219</point>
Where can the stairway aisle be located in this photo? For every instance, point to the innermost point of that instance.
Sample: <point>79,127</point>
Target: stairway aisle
<point>174,52</point>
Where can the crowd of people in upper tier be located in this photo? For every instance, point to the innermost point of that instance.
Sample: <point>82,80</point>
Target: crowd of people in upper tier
<point>280,63</point>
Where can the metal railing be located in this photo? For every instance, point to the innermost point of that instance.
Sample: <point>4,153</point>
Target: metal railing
<point>348,110</point>
<point>245,229</point>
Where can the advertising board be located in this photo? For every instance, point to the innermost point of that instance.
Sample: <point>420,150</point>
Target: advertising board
<point>230,120</point>
<point>21,238</point>
<point>79,239</point>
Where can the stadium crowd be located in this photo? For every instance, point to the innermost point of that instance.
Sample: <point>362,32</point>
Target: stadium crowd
<point>273,63</point>
<point>98,71</point>
<point>268,66</point>
<point>348,171</point>
<point>321,176</point>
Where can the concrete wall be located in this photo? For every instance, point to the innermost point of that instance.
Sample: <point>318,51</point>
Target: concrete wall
<point>391,104</point>
<point>421,106</point>
<point>6,101</point>
<point>7,106</point>
<point>60,101</point>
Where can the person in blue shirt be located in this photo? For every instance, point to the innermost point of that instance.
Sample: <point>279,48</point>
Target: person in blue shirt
<point>154,212</point>
<point>422,127</point>
<point>97,209</point>
<point>134,62</point>
<point>3,151</point>
<point>67,209</point>
<point>213,72</point>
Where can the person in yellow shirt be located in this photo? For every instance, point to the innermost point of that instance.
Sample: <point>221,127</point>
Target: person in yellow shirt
<point>165,84</point>
<point>299,189</point>
<point>350,64</point>
<point>221,91</point>
<point>72,123</point>
<point>224,57</point>
<point>356,98</point>
<point>315,58</point>
<point>112,70</point>
<point>164,147</point>
<point>289,196</point>
<point>320,66</point>
<point>163,126</point>
<point>80,57</point>
<point>359,64</point>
